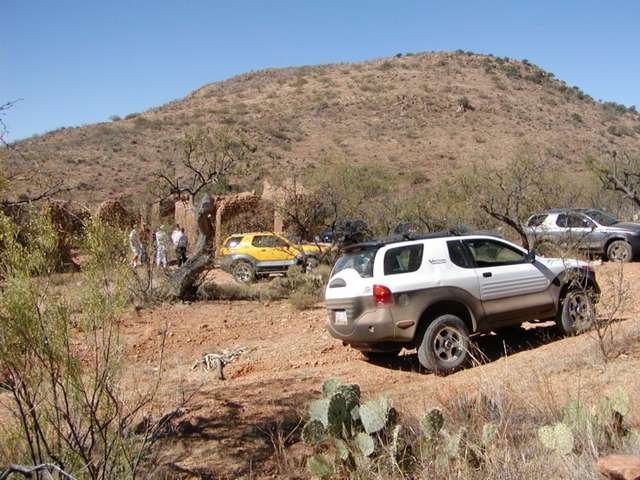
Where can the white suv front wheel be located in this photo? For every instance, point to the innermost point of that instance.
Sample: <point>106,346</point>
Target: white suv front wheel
<point>445,345</point>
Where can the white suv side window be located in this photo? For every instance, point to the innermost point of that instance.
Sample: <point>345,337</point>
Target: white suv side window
<point>404,259</point>
<point>491,253</point>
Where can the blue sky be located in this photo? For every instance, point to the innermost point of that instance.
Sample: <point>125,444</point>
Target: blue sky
<point>77,62</point>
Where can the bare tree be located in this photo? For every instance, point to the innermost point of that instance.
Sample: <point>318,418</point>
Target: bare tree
<point>511,193</point>
<point>48,190</point>
<point>205,159</point>
<point>620,172</point>
<point>183,281</point>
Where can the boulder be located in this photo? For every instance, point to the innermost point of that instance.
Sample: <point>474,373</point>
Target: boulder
<point>619,467</point>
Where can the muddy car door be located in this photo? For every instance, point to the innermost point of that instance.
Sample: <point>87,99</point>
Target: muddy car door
<point>513,289</point>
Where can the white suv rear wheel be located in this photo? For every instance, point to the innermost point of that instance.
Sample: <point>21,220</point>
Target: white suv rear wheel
<point>445,345</point>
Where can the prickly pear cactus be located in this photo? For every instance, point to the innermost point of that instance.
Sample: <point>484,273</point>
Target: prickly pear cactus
<point>557,437</point>
<point>319,410</point>
<point>488,433</point>
<point>374,415</point>
<point>576,417</point>
<point>365,443</point>
<point>351,393</point>
<point>431,423</point>
<point>320,466</point>
<point>456,443</point>
<point>342,449</point>
<point>338,414</point>
<point>313,432</point>
<point>330,386</point>
<point>620,401</point>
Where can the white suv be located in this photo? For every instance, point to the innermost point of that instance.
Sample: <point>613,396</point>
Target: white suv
<point>432,292</point>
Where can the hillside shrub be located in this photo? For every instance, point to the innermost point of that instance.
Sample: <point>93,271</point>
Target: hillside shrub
<point>619,130</point>
<point>61,357</point>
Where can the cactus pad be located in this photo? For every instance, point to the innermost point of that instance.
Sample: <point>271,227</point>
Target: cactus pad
<point>320,466</point>
<point>313,432</point>
<point>575,417</point>
<point>338,414</point>
<point>488,433</point>
<point>330,386</point>
<point>431,423</point>
<point>374,415</point>
<point>318,410</point>
<point>620,401</point>
<point>365,444</point>
<point>557,437</point>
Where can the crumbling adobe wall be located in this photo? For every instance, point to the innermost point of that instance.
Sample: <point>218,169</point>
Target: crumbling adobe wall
<point>113,213</point>
<point>67,225</point>
<point>227,206</point>
<point>185,217</point>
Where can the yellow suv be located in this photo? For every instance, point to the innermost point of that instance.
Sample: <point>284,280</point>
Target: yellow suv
<point>250,255</point>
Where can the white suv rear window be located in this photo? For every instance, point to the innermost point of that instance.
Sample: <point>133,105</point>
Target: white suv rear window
<point>404,259</point>
<point>361,262</point>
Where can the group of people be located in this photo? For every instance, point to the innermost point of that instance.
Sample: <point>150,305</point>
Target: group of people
<point>139,239</point>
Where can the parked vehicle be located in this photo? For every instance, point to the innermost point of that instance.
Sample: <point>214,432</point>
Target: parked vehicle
<point>248,256</point>
<point>432,293</point>
<point>590,230</point>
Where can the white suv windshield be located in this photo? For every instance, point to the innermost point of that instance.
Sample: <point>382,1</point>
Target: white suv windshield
<point>361,262</point>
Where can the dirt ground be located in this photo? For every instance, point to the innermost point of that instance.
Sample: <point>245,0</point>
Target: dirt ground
<point>233,427</point>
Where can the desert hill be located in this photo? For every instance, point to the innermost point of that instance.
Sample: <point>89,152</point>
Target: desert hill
<point>430,112</point>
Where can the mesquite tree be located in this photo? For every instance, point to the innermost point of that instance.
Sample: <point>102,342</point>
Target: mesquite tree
<point>61,357</point>
<point>619,172</point>
<point>511,193</point>
<point>201,161</point>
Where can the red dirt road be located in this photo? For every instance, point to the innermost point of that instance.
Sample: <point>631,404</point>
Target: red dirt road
<point>225,431</point>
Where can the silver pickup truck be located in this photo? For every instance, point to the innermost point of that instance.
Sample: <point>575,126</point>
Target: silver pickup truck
<point>590,230</point>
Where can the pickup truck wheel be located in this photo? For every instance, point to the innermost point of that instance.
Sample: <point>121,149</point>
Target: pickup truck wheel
<point>445,345</point>
<point>243,271</point>
<point>619,251</point>
<point>577,312</point>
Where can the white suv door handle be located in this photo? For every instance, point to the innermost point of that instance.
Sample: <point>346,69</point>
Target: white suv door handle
<point>487,274</point>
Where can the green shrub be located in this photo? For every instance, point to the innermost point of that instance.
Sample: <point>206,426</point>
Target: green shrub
<point>62,362</point>
<point>619,131</point>
<point>576,117</point>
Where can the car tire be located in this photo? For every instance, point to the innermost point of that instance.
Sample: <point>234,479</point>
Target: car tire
<point>243,272</point>
<point>577,313</point>
<point>619,251</point>
<point>444,347</point>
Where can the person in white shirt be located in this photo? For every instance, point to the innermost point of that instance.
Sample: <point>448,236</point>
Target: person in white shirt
<point>161,247</point>
<point>180,242</point>
<point>136,246</point>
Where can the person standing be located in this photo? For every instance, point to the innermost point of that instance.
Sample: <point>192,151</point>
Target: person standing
<point>144,243</point>
<point>136,246</point>
<point>161,247</point>
<point>180,242</point>
<point>175,235</point>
